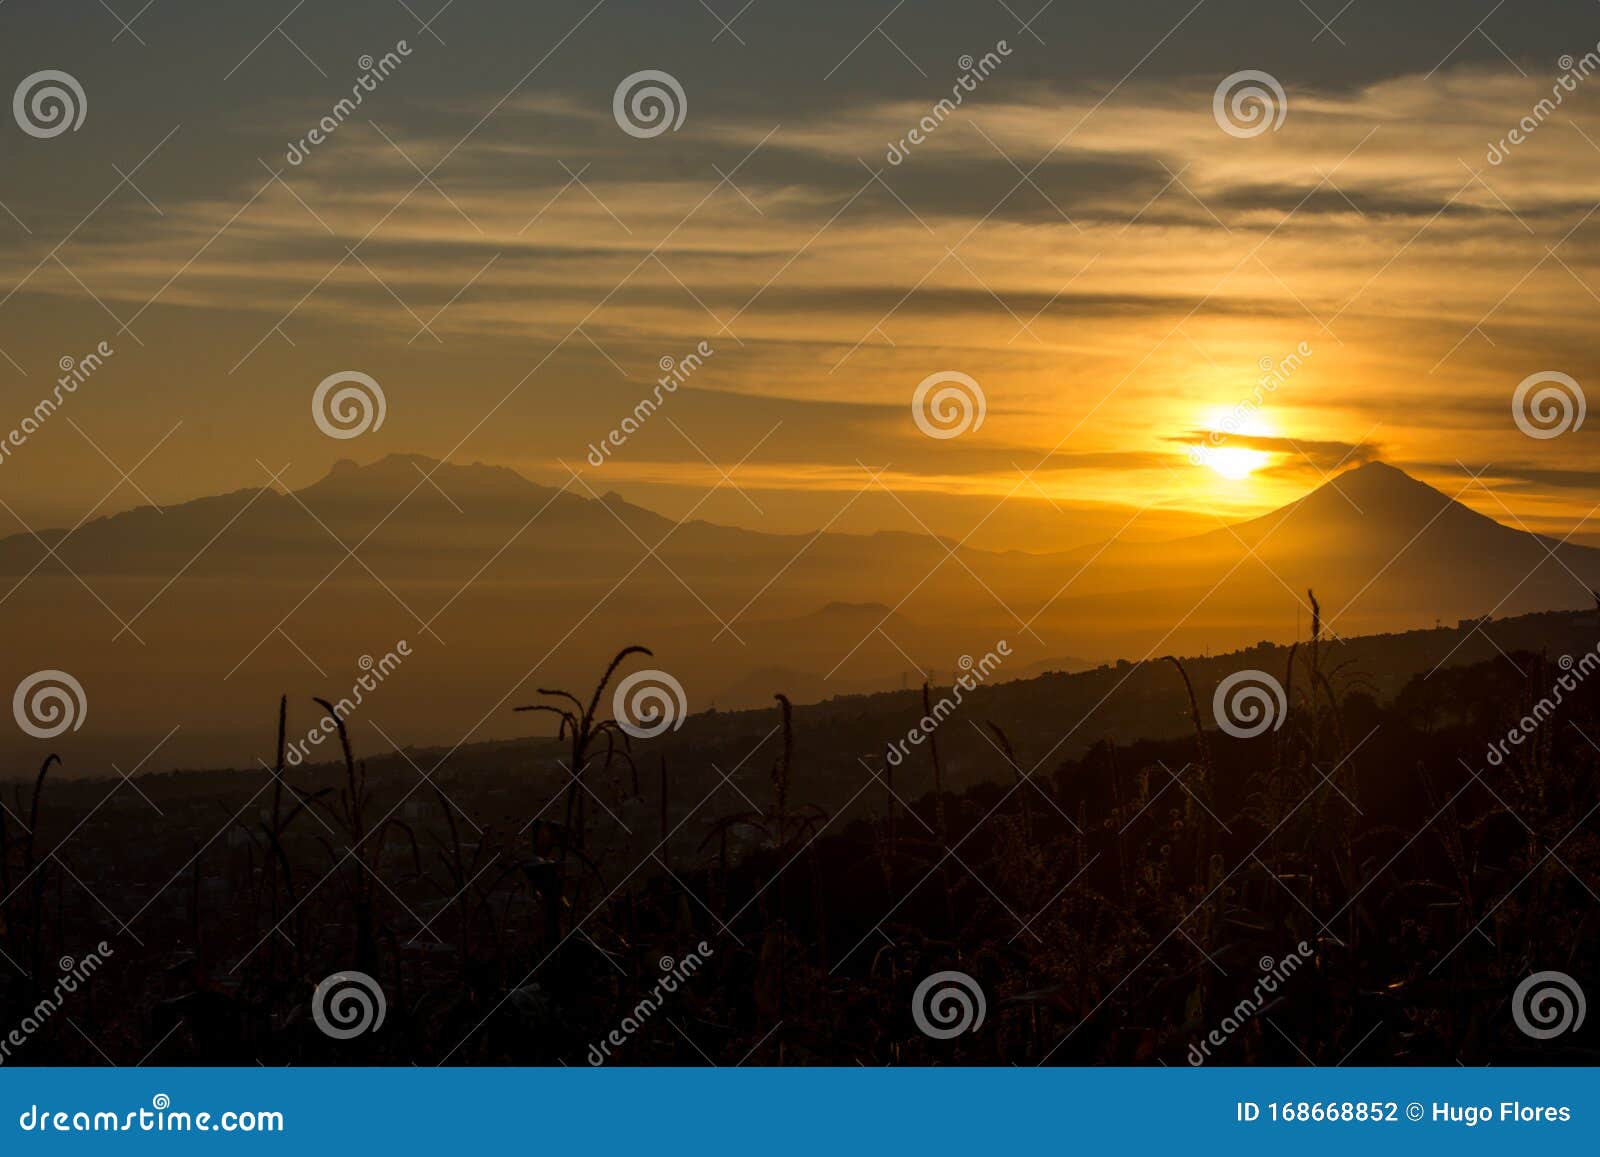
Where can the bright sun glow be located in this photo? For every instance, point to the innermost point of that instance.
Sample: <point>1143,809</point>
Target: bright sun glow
<point>1233,462</point>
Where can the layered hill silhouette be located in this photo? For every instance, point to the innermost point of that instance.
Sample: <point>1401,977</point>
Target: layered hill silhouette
<point>200,615</point>
<point>1386,551</point>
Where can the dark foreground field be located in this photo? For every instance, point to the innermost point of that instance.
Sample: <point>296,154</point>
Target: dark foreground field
<point>1362,884</point>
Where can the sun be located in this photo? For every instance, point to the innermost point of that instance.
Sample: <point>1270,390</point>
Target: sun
<point>1235,463</point>
<point>1231,461</point>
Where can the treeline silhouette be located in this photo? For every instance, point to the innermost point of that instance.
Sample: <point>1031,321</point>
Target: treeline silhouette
<point>1114,908</point>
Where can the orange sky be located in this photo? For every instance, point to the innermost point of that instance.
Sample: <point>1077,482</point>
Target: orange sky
<point>1112,305</point>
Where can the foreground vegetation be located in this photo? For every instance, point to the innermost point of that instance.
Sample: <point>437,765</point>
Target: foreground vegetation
<point>1114,907</point>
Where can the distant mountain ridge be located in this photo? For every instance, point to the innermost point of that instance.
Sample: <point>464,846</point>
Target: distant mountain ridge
<point>211,608</point>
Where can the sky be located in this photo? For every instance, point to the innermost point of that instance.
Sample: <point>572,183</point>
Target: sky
<point>1082,240</point>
